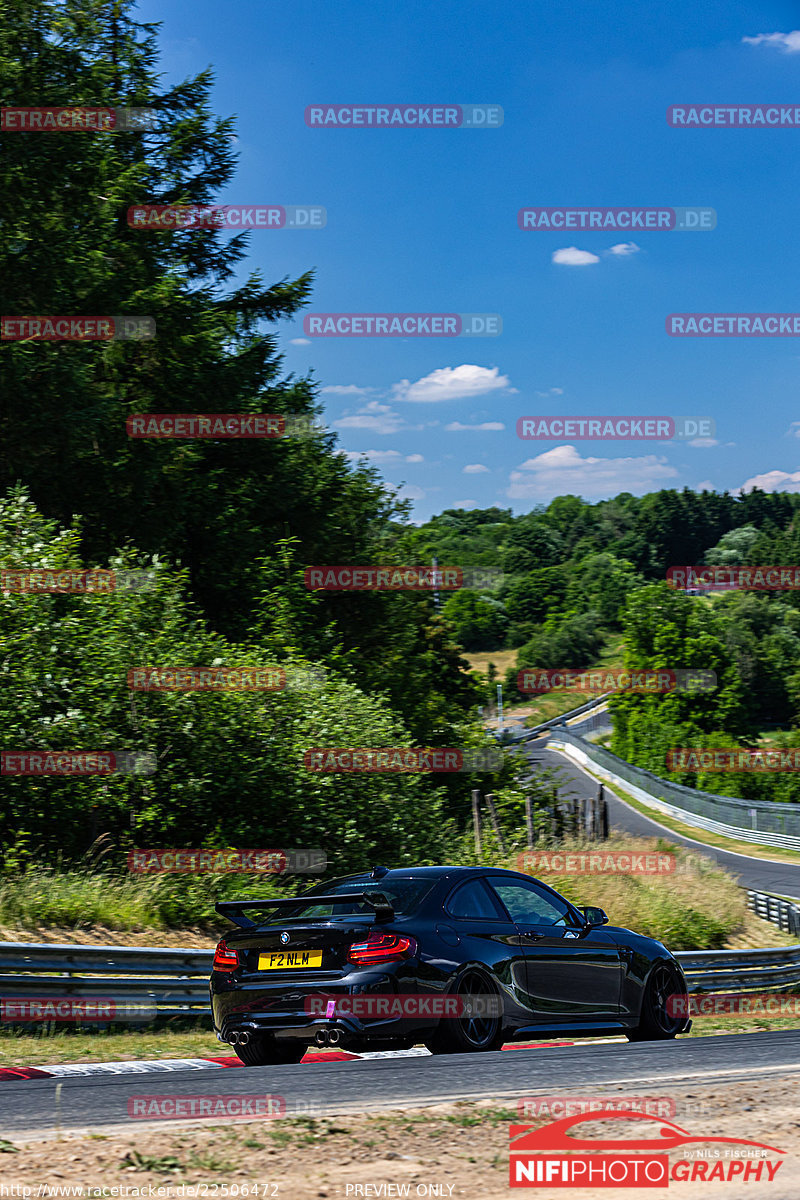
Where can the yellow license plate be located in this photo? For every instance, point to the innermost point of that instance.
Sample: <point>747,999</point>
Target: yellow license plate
<point>286,960</point>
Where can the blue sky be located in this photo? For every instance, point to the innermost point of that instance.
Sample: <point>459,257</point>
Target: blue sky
<point>425,221</point>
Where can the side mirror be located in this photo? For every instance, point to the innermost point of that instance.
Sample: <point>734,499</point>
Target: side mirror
<point>594,917</point>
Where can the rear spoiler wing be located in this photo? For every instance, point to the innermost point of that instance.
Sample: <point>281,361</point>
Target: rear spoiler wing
<point>234,909</point>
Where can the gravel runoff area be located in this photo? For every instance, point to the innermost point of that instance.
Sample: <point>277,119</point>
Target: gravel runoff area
<point>451,1150</point>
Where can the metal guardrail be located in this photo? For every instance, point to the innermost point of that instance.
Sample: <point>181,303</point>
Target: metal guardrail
<point>741,970</point>
<point>527,733</point>
<point>764,822</point>
<point>176,981</point>
<point>780,912</point>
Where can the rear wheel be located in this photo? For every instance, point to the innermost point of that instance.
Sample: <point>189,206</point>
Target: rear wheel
<point>655,1021</point>
<point>263,1050</point>
<point>472,1030</point>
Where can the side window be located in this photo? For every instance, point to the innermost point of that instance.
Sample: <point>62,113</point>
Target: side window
<point>528,905</point>
<point>472,900</point>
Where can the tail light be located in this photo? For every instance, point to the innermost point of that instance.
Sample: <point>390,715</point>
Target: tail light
<point>382,947</point>
<point>225,959</point>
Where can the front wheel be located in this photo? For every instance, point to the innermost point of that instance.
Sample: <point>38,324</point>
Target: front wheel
<point>655,1022</point>
<point>471,1028</point>
<point>263,1050</point>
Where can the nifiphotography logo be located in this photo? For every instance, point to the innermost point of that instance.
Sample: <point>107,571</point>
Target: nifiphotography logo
<point>552,1157</point>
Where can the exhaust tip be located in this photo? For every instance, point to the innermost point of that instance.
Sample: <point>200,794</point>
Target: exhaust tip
<point>244,1038</point>
<point>321,1037</point>
<point>233,1038</point>
<point>334,1037</point>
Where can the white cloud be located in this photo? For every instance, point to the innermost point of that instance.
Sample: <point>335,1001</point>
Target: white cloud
<point>300,341</point>
<point>484,427</point>
<point>702,443</point>
<point>475,469</point>
<point>573,257</point>
<point>348,389</point>
<point>624,248</point>
<point>409,492</point>
<point>450,383</point>
<point>379,456</point>
<point>772,481</point>
<point>794,429</point>
<point>563,470</point>
<point>464,504</point>
<point>377,418</point>
<point>788,42</point>
<point>551,392</point>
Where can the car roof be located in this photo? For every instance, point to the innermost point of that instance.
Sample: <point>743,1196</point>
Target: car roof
<point>435,872</point>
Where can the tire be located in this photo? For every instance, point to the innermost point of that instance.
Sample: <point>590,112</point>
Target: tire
<point>263,1050</point>
<point>655,1023</point>
<point>465,1034</point>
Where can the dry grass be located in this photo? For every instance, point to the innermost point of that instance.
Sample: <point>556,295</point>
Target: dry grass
<point>502,659</point>
<point>695,907</point>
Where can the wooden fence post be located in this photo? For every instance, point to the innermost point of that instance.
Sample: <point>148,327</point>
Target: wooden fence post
<point>476,820</point>
<point>495,822</point>
<point>529,821</point>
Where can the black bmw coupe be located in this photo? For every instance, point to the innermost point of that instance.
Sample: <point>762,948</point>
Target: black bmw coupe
<point>457,958</point>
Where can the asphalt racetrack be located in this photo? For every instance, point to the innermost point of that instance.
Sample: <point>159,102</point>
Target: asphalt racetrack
<point>43,1106</point>
<point>759,874</point>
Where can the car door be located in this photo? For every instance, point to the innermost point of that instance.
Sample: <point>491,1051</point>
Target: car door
<point>571,973</point>
<point>475,923</point>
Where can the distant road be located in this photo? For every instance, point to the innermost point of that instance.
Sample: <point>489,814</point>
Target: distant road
<point>761,875</point>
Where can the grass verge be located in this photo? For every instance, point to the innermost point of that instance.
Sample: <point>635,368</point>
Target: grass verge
<point>77,1047</point>
<point>43,897</point>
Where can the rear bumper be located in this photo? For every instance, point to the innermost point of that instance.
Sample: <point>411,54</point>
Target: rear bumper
<point>289,1012</point>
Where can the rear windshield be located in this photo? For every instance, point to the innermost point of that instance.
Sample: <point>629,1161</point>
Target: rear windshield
<point>404,895</point>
